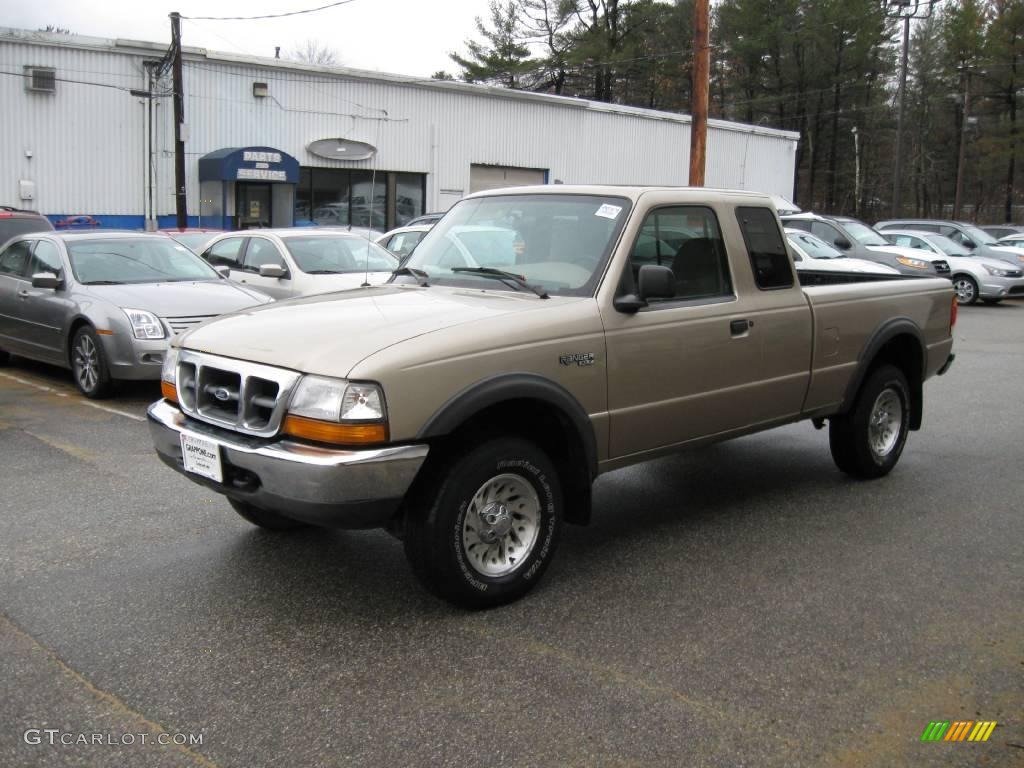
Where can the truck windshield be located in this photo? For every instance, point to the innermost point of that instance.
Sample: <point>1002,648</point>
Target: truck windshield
<point>559,243</point>
<point>947,246</point>
<point>979,236</point>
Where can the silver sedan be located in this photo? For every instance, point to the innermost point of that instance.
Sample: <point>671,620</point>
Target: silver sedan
<point>106,305</point>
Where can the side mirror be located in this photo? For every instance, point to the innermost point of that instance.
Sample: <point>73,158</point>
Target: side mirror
<point>46,280</point>
<point>272,270</point>
<point>656,282</point>
<point>843,243</point>
<point>970,244</point>
<point>223,270</point>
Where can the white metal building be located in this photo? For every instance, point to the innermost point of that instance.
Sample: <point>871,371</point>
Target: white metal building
<point>266,139</point>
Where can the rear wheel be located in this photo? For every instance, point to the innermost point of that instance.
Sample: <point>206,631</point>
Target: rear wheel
<point>868,441</point>
<point>966,289</point>
<point>89,365</point>
<point>5,357</point>
<point>264,518</point>
<point>483,530</point>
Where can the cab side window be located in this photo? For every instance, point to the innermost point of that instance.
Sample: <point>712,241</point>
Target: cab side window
<point>768,256</point>
<point>225,253</point>
<point>15,258</point>
<point>826,232</point>
<point>687,240</point>
<point>260,252</point>
<point>45,258</point>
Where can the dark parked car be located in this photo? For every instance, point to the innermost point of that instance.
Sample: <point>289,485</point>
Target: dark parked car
<point>15,221</point>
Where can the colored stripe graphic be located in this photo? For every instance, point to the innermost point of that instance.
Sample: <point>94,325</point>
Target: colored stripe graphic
<point>935,730</point>
<point>958,730</point>
<point>982,731</point>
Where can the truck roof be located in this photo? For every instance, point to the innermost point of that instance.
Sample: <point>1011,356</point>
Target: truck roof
<point>632,192</point>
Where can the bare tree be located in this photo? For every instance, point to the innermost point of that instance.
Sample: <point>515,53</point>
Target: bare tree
<point>312,51</point>
<point>55,29</point>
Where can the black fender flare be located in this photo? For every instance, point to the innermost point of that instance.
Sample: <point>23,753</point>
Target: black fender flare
<point>493,390</point>
<point>886,332</point>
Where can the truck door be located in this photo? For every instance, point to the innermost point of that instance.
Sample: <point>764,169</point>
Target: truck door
<point>683,367</point>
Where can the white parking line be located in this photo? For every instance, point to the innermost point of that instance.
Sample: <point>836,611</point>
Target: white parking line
<point>57,392</point>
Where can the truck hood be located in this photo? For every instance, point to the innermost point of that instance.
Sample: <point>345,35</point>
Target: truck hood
<point>329,334</point>
<point>177,299</point>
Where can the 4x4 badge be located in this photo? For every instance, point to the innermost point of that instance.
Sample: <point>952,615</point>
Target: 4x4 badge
<point>580,359</point>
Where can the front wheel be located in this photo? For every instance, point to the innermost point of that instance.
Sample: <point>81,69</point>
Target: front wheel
<point>89,366</point>
<point>483,531</point>
<point>966,289</point>
<point>868,441</point>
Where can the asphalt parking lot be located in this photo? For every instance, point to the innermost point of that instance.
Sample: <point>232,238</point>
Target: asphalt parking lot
<point>746,605</point>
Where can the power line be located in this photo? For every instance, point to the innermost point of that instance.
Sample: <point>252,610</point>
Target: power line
<point>269,15</point>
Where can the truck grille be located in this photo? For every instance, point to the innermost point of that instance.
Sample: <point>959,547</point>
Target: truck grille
<point>245,397</point>
<point>941,267</point>
<point>184,322</point>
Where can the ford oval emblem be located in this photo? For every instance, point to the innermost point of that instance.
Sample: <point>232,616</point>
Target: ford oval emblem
<point>222,394</point>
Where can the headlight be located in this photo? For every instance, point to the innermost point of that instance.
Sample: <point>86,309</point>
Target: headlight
<point>169,374</point>
<point>913,263</point>
<point>145,325</point>
<point>996,271</point>
<point>337,411</point>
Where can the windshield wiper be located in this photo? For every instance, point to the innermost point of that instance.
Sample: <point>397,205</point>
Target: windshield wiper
<point>419,274</point>
<point>500,274</point>
<point>104,282</point>
<point>325,272</point>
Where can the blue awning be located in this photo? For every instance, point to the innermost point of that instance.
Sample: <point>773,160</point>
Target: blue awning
<point>249,164</point>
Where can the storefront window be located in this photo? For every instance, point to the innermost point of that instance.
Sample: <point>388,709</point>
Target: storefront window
<point>408,197</point>
<point>303,198</point>
<point>330,197</point>
<point>370,200</point>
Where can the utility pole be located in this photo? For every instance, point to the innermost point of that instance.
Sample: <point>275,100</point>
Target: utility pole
<point>897,182</point>
<point>856,165</point>
<point>701,86</point>
<point>963,145</point>
<point>181,204</point>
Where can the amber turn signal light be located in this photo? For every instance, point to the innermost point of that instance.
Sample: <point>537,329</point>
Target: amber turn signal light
<point>169,391</point>
<point>332,432</point>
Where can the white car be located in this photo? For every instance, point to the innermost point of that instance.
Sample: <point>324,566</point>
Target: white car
<point>812,253</point>
<point>286,263</point>
<point>974,277</point>
<point>402,240</point>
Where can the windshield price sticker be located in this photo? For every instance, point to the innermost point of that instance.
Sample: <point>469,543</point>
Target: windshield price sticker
<point>608,211</point>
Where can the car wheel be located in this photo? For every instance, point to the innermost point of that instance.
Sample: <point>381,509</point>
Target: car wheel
<point>5,357</point>
<point>966,289</point>
<point>263,518</point>
<point>482,531</point>
<point>868,441</point>
<point>89,366</point>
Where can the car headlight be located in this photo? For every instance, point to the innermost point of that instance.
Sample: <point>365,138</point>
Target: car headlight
<point>169,375</point>
<point>336,411</point>
<point>996,271</point>
<point>145,325</point>
<point>913,263</point>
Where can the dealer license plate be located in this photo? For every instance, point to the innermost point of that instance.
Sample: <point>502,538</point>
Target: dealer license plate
<point>201,457</point>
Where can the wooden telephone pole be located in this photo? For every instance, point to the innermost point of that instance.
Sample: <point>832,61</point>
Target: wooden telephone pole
<point>701,86</point>
<point>181,204</point>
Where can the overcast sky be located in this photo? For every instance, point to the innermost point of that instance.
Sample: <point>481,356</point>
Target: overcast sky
<point>403,36</point>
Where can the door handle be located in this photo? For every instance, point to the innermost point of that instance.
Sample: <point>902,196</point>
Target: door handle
<point>740,327</point>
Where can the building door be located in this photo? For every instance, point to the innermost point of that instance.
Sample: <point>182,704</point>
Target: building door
<point>252,205</point>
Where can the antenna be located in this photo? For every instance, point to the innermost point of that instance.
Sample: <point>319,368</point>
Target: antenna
<point>373,196</point>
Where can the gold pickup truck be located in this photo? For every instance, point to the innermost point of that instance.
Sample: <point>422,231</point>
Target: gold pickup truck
<point>536,338</point>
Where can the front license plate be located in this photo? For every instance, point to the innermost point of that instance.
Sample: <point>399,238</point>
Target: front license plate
<point>201,457</point>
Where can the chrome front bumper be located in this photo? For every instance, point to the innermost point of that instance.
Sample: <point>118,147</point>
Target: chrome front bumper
<point>324,486</point>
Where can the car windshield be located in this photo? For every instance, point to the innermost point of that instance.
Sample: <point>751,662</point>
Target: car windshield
<point>979,236</point>
<point>320,255</point>
<point>558,243</point>
<point>815,247</point>
<point>143,260</point>
<point>947,246</point>
<point>863,234</point>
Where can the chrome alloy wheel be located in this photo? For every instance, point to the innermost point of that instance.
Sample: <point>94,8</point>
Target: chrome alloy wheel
<point>965,290</point>
<point>87,363</point>
<point>885,423</point>
<point>501,526</point>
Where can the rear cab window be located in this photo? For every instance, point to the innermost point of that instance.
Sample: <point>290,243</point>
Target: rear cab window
<point>769,258</point>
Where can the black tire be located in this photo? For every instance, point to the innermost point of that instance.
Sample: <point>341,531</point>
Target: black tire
<point>449,540</point>
<point>966,288</point>
<point>264,518</point>
<point>5,357</point>
<point>858,448</point>
<point>89,365</point>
